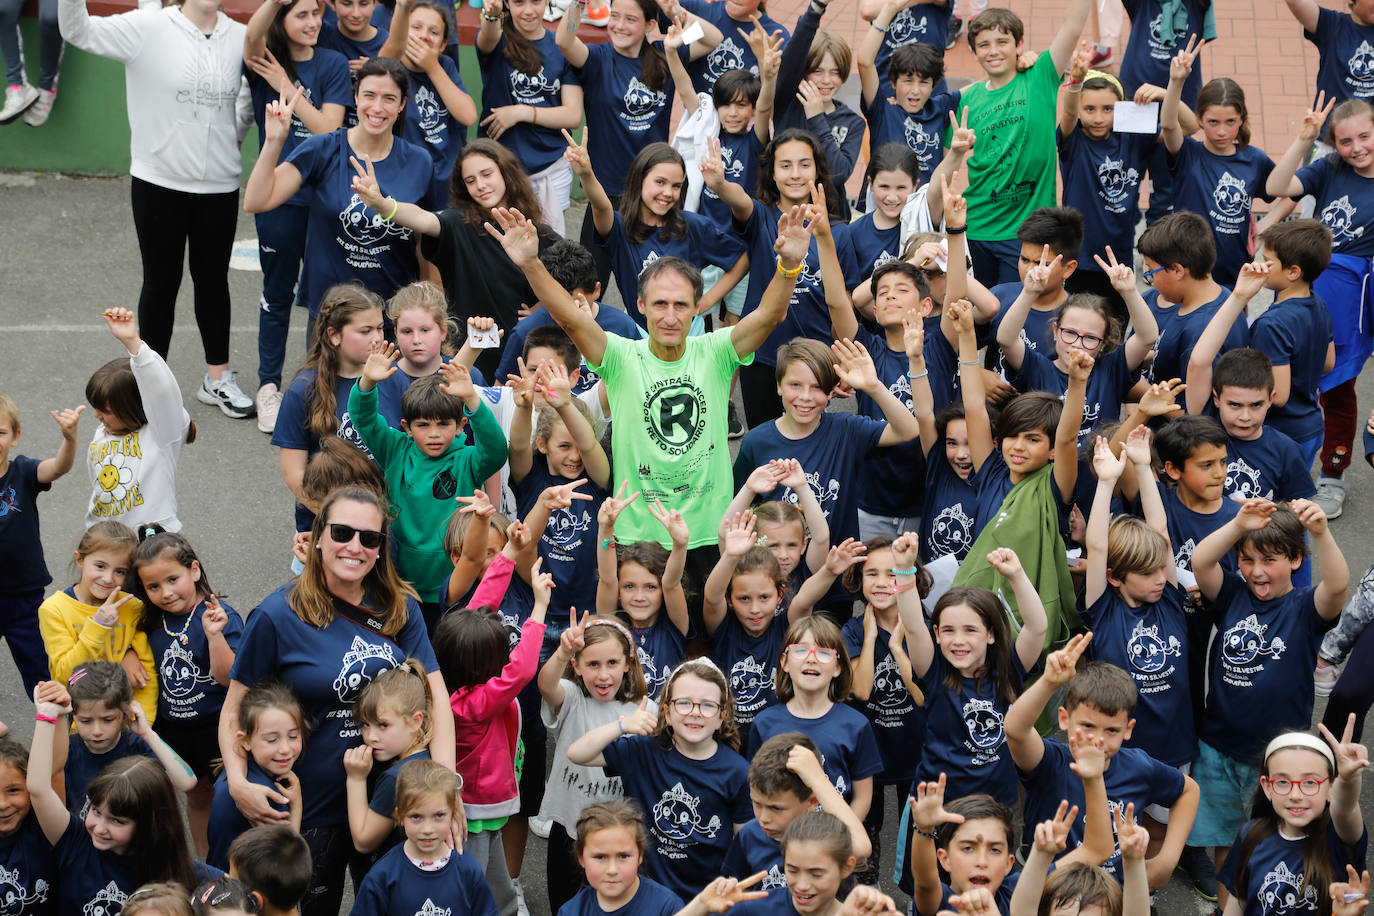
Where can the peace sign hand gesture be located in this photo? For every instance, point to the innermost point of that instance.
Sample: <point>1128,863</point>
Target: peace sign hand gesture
<point>1182,64</point>
<point>961,136</point>
<point>365,184</point>
<point>276,119</point>
<point>1351,758</point>
<point>1314,119</point>
<point>576,154</point>
<point>1121,275</point>
<point>1038,276</point>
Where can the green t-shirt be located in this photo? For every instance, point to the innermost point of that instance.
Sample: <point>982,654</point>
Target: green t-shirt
<point>669,433</point>
<point>1012,169</point>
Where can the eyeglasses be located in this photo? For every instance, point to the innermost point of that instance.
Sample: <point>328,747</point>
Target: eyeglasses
<point>1308,787</point>
<point>707,708</point>
<point>1149,275</point>
<point>1073,338</point>
<point>800,652</point>
<point>342,534</point>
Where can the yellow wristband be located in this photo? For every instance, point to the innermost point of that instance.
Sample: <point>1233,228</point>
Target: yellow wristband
<point>790,274</point>
<point>395,205</point>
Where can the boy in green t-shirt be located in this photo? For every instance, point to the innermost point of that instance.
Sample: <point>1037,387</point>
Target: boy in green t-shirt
<point>1012,166</point>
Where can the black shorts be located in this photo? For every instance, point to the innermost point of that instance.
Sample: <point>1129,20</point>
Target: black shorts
<point>194,742</point>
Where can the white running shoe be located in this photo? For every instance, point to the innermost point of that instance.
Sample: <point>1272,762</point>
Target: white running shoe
<point>38,112</point>
<point>269,402</point>
<point>18,99</point>
<point>224,393</point>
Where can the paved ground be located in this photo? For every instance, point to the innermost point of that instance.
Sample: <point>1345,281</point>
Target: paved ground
<point>69,253</point>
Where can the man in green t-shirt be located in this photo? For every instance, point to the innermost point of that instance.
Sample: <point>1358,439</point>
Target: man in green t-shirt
<point>669,393</point>
<point>1011,170</point>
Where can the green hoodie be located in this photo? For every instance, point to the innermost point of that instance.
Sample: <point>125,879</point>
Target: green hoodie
<point>422,489</point>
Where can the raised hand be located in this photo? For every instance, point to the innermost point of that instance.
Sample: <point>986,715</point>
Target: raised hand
<point>1038,276</point>
<point>854,366</point>
<point>1107,466</point>
<point>904,550</point>
<point>1351,758</point>
<point>819,215</point>
<point>1122,276</point>
<point>522,385</point>
<point>1182,64</point>
<point>552,381</point>
<point>1251,279</point>
<point>138,720</point>
<point>1138,445</point>
<point>794,237</point>
<point>805,764</point>
<point>956,207</point>
<point>641,721</point>
<point>214,618</point>
<point>913,337</point>
<point>107,615</point>
<point>844,555</point>
<point>961,137</point>
<point>763,479</point>
<point>868,901</point>
<point>612,506</point>
<point>457,380</point>
<point>576,154</point>
<point>572,639</point>
<point>381,362</point>
<point>1061,665</point>
<point>1254,514</point>
<point>1081,62</point>
<point>519,536</point>
<point>365,184</point>
<point>1161,398</point>
<point>563,495</point>
<point>541,583</point>
<point>1316,116</point>
<point>672,520</point>
<point>1006,562</point>
<point>723,893</point>
<point>928,806</point>
<point>517,235</point>
<point>712,165</point>
<point>961,314</point>
<point>479,504</point>
<point>1351,896</point>
<point>1089,754</point>
<point>51,699</point>
<point>762,43</point>
<point>1131,838</point>
<point>739,534</point>
<point>122,325</point>
<point>276,118</point>
<point>1079,363</point>
<point>790,473</point>
<point>1311,516</point>
<point>1052,836</point>
<point>271,71</point>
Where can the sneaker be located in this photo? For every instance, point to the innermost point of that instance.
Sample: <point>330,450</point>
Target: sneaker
<point>541,826</point>
<point>1102,55</point>
<point>268,402</point>
<point>38,112</point>
<point>1330,496</point>
<point>18,100</point>
<point>1325,677</point>
<point>556,10</point>
<point>522,909</point>
<point>956,28</point>
<point>1201,871</point>
<point>224,393</point>
<point>737,428</point>
<point>597,13</point>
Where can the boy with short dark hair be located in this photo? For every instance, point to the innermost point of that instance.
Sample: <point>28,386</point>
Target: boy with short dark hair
<point>1262,461</point>
<point>1295,332</point>
<point>273,862</point>
<point>1014,116</point>
<point>1061,230</point>
<point>905,108</point>
<point>1099,702</point>
<point>785,779</point>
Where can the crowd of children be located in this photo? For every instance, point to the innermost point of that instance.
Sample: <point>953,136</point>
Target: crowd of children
<point>1064,483</point>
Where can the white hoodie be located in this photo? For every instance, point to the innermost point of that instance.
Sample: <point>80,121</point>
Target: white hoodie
<point>180,88</point>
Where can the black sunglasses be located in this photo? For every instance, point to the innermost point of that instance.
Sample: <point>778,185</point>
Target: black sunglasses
<point>342,534</point>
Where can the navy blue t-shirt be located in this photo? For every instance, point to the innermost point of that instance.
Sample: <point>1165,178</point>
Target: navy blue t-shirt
<point>1274,872</point>
<point>753,851</point>
<point>964,737</point>
<point>1000,897</point>
<point>739,157</point>
<point>1345,204</point>
<point>625,115</point>
<point>951,509</point>
<point>1035,332</point>
<point>326,81</point>
<point>1295,333</point>
<point>395,886</point>
<point>690,807</point>
<point>431,126</point>
<point>1178,334</point>
<point>1108,383</point>
<point>1102,181</point>
<point>750,663</point>
<point>1188,528</point>
<point>892,478</point>
<point>1345,55</point>
<point>849,750</point>
<point>186,691</point>
<point>19,536</point>
<point>27,862</point>
<point>96,883</point>
<point>609,319</point>
<point>924,22</point>
<point>992,482</point>
<point>1220,190</point>
<point>922,131</point>
<point>705,242</point>
<point>650,899</point>
<point>1153,43</point>
<point>899,725</point>
<point>1259,661</point>
<point>568,543</point>
<point>1270,467</point>
<point>536,147</point>
<point>1132,777</point>
<point>346,241</point>
<point>1150,642</point>
<point>83,766</point>
<point>863,248</point>
<point>335,40</point>
<point>734,52</point>
<point>226,821</point>
<point>327,669</point>
<point>661,648</point>
<point>832,457</point>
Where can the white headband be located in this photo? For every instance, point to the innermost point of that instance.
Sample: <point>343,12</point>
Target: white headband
<point>1304,740</point>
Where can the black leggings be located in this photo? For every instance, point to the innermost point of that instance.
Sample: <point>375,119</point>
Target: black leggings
<point>165,221</point>
<point>758,388</point>
<point>562,875</point>
<point>1354,691</point>
<point>603,264</point>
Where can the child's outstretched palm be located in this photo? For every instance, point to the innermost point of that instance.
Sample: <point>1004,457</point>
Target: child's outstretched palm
<point>854,366</point>
<point>457,380</point>
<point>381,362</point>
<point>928,806</point>
<point>1138,445</point>
<point>913,337</point>
<point>478,504</point>
<point>739,535</point>
<point>1089,754</point>
<point>794,235</point>
<point>1161,398</point>
<point>552,378</point>
<point>1107,466</point>
<point>517,235</point>
<point>844,555</point>
<point>1255,513</point>
<point>790,473</point>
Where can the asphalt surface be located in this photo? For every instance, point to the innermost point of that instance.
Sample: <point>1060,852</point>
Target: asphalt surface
<point>69,252</point>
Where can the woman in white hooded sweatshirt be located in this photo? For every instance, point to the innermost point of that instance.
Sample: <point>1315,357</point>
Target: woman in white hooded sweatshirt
<point>183,66</point>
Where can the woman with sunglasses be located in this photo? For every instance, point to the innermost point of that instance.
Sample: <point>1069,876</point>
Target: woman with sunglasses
<point>326,635</point>
<point>1084,321</point>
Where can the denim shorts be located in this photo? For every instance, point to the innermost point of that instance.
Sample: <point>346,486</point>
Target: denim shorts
<point>1226,786</point>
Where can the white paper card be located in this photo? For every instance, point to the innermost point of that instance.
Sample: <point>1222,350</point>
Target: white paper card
<point>1133,118</point>
<point>693,32</point>
<point>483,340</point>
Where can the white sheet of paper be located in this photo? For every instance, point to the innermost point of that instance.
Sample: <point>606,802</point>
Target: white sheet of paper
<point>1131,118</point>
<point>483,340</point>
<point>693,32</point>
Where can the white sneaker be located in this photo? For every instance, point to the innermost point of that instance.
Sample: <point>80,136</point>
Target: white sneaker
<point>540,826</point>
<point>225,394</point>
<point>1324,677</point>
<point>269,402</point>
<point>18,99</point>
<point>520,906</point>
<point>1330,496</point>
<point>38,112</point>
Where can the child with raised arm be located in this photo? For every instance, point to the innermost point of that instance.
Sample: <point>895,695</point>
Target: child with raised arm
<point>426,465</point>
<point>1260,678</point>
<point>1079,886</point>
<point>1099,701</point>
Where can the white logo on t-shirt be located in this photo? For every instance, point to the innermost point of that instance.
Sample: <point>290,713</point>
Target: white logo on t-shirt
<point>1339,217</point>
<point>361,663</point>
<point>106,901</point>
<point>1243,642</point>
<point>951,534</point>
<point>1245,480</point>
<point>14,896</point>
<point>1230,195</point>
<point>677,818</point>
<point>1282,892</point>
<point>177,673</point>
<point>1148,651</point>
<point>1116,181</point>
<point>727,55</point>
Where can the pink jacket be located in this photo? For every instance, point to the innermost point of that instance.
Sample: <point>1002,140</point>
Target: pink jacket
<point>486,717</point>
